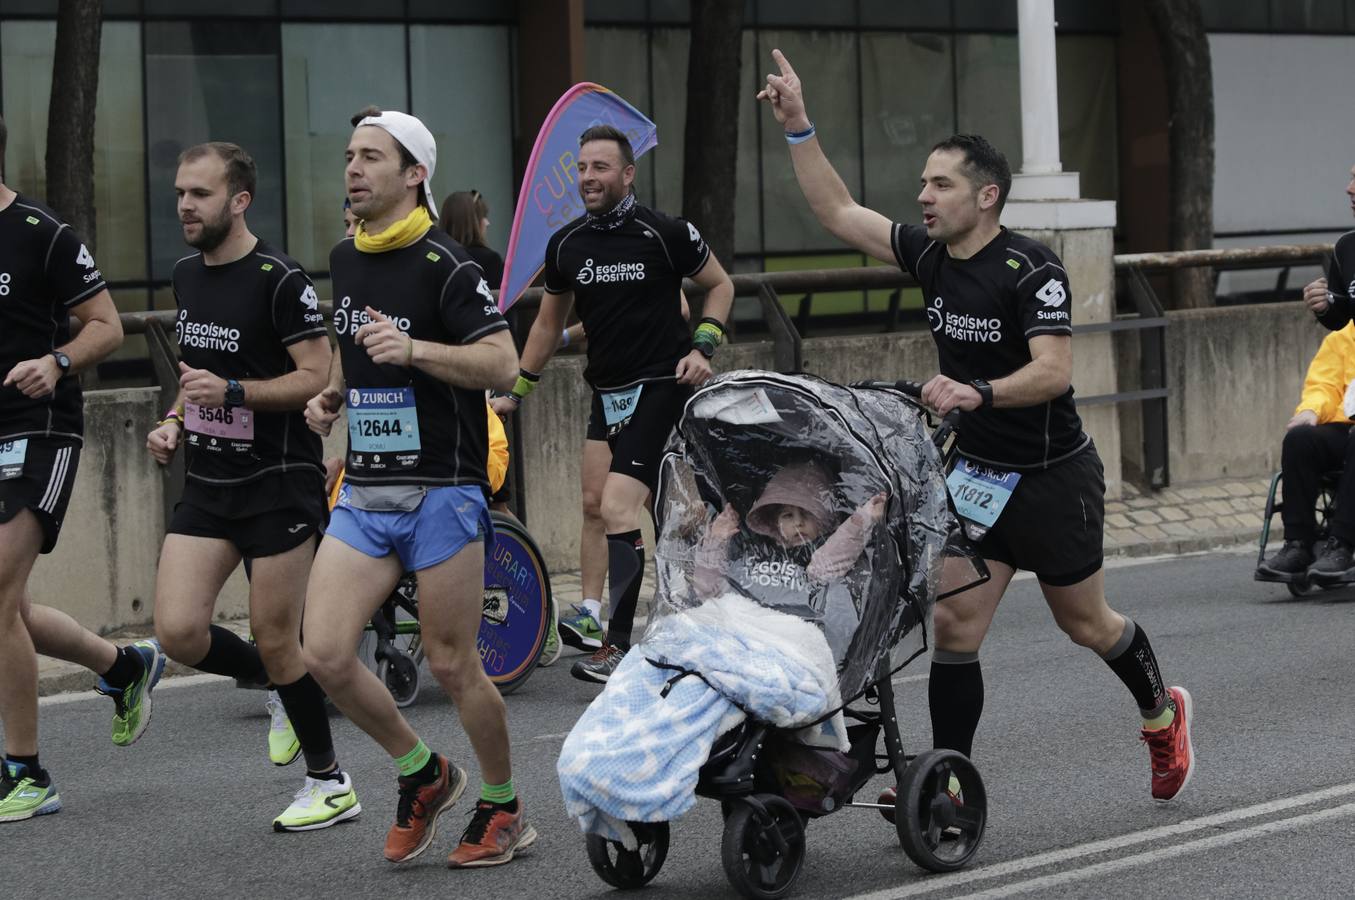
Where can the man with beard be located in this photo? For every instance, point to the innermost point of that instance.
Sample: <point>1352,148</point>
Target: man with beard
<point>624,263</point>
<point>1000,308</point>
<point>47,274</point>
<point>254,350</point>
<point>420,341</point>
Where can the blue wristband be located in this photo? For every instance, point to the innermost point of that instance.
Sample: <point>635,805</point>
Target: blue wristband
<point>799,137</point>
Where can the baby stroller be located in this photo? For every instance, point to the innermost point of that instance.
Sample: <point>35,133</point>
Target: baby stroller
<point>806,741</point>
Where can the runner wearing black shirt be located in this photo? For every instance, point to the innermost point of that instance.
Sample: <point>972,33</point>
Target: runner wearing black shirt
<point>999,307</point>
<point>623,263</point>
<point>254,349</point>
<point>420,340</point>
<point>1332,298</point>
<point>46,275</point>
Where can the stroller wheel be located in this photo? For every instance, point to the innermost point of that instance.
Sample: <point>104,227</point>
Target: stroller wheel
<point>941,828</point>
<point>763,846</point>
<point>400,674</point>
<point>630,869</point>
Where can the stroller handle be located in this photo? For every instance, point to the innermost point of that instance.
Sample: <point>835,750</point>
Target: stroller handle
<point>949,423</point>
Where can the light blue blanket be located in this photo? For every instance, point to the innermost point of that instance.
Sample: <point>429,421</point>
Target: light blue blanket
<point>634,755</point>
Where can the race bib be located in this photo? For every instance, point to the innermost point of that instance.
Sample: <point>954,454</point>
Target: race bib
<point>218,429</point>
<point>619,406</point>
<point>383,430</point>
<point>12,455</point>
<point>980,493</point>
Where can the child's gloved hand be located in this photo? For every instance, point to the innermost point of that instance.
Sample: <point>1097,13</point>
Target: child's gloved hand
<point>725,525</point>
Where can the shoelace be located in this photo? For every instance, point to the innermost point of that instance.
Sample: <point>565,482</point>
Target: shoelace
<point>1161,747</point>
<point>119,699</point>
<point>480,818</point>
<point>580,610</point>
<point>311,789</point>
<point>7,785</point>
<point>602,653</point>
<point>410,804</point>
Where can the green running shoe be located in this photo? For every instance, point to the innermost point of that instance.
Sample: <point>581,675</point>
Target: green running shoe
<point>283,747</point>
<point>319,804</point>
<point>21,797</point>
<point>132,704</point>
<point>551,649</point>
<point>581,630</point>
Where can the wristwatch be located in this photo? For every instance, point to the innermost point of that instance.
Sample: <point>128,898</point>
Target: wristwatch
<point>63,362</point>
<point>985,392</point>
<point>235,393</point>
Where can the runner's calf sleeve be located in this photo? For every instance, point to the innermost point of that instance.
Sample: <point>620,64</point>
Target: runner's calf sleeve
<point>955,698</point>
<point>1132,659</point>
<point>625,572</point>
<point>305,705</point>
<point>231,655</point>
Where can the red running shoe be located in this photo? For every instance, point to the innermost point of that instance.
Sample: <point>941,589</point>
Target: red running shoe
<point>1172,753</point>
<point>493,836</point>
<point>417,812</point>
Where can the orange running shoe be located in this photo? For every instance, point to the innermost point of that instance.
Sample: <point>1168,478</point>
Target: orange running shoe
<point>1171,751</point>
<point>492,837</point>
<point>417,813</point>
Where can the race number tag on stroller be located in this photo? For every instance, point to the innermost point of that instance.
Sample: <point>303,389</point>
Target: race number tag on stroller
<point>12,455</point>
<point>980,493</point>
<point>383,429</point>
<point>619,406</point>
<point>218,429</point>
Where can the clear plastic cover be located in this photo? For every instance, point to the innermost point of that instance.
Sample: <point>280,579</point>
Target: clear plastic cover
<point>818,501</point>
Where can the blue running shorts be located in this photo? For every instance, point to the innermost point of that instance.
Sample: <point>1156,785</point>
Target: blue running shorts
<point>447,520</point>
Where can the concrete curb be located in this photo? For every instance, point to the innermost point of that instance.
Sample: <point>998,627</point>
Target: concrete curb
<point>1183,546</point>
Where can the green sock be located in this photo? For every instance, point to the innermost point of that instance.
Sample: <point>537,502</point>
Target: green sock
<point>414,760</point>
<point>502,794</point>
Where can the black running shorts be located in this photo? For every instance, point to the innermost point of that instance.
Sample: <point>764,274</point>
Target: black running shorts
<point>43,486</point>
<point>1054,523</point>
<point>636,443</point>
<point>261,518</point>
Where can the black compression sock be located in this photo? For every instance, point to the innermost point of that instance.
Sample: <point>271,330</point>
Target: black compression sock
<point>305,705</point>
<point>125,669</point>
<point>625,573</point>
<point>335,774</point>
<point>231,655</point>
<point>1133,660</point>
<point>955,696</point>
<point>35,771</point>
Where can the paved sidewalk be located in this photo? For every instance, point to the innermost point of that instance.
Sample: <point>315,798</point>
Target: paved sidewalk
<point>1186,519</point>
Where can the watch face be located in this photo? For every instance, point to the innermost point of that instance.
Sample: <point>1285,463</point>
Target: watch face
<point>62,360</point>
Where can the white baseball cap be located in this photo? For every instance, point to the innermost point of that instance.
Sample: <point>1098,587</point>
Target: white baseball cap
<point>415,137</point>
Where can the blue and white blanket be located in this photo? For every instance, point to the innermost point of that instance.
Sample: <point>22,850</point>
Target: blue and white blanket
<point>634,755</point>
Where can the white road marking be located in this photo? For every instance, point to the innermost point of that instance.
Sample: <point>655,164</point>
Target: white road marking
<point>1155,855</point>
<point>1079,851</point>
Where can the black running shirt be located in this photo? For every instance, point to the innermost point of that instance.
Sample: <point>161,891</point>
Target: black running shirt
<point>1341,284</point>
<point>983,311</point>
<point>433,291</point>
<point>45,272</point>
<point>237,320</point>
<point>626,285</point>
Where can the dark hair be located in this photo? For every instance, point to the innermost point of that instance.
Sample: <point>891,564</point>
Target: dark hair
<point>610,133</point>
<point>983,163</point>
<point>241,175</point>
<point>462,213</point>
<point>407,160</point>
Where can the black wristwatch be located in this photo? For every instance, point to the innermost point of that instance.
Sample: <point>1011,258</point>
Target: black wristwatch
<point>985,392</point>
<point>235,393</point>
<point>63,362</point>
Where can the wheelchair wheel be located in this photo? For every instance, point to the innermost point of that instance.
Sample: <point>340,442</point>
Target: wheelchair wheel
<point>763,848</point>
<point>939,830</point>
<point>400,674</point>
<point>630,869</point>
<point>517,604</point>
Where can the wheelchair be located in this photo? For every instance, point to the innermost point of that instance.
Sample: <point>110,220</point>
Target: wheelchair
<point>1298,585</point>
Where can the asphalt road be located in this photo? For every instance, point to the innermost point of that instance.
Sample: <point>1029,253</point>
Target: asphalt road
<point>186,812</point>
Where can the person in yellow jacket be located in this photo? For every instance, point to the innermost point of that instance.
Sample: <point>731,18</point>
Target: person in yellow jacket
<point>1318,439</point>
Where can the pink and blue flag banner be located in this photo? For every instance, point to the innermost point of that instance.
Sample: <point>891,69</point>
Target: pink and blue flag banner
<point>550,197</point>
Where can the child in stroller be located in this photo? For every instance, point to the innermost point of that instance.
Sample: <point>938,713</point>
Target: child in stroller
<point>760,635</point>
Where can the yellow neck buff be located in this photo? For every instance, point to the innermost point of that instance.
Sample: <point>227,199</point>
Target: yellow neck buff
<point>400,234</point>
